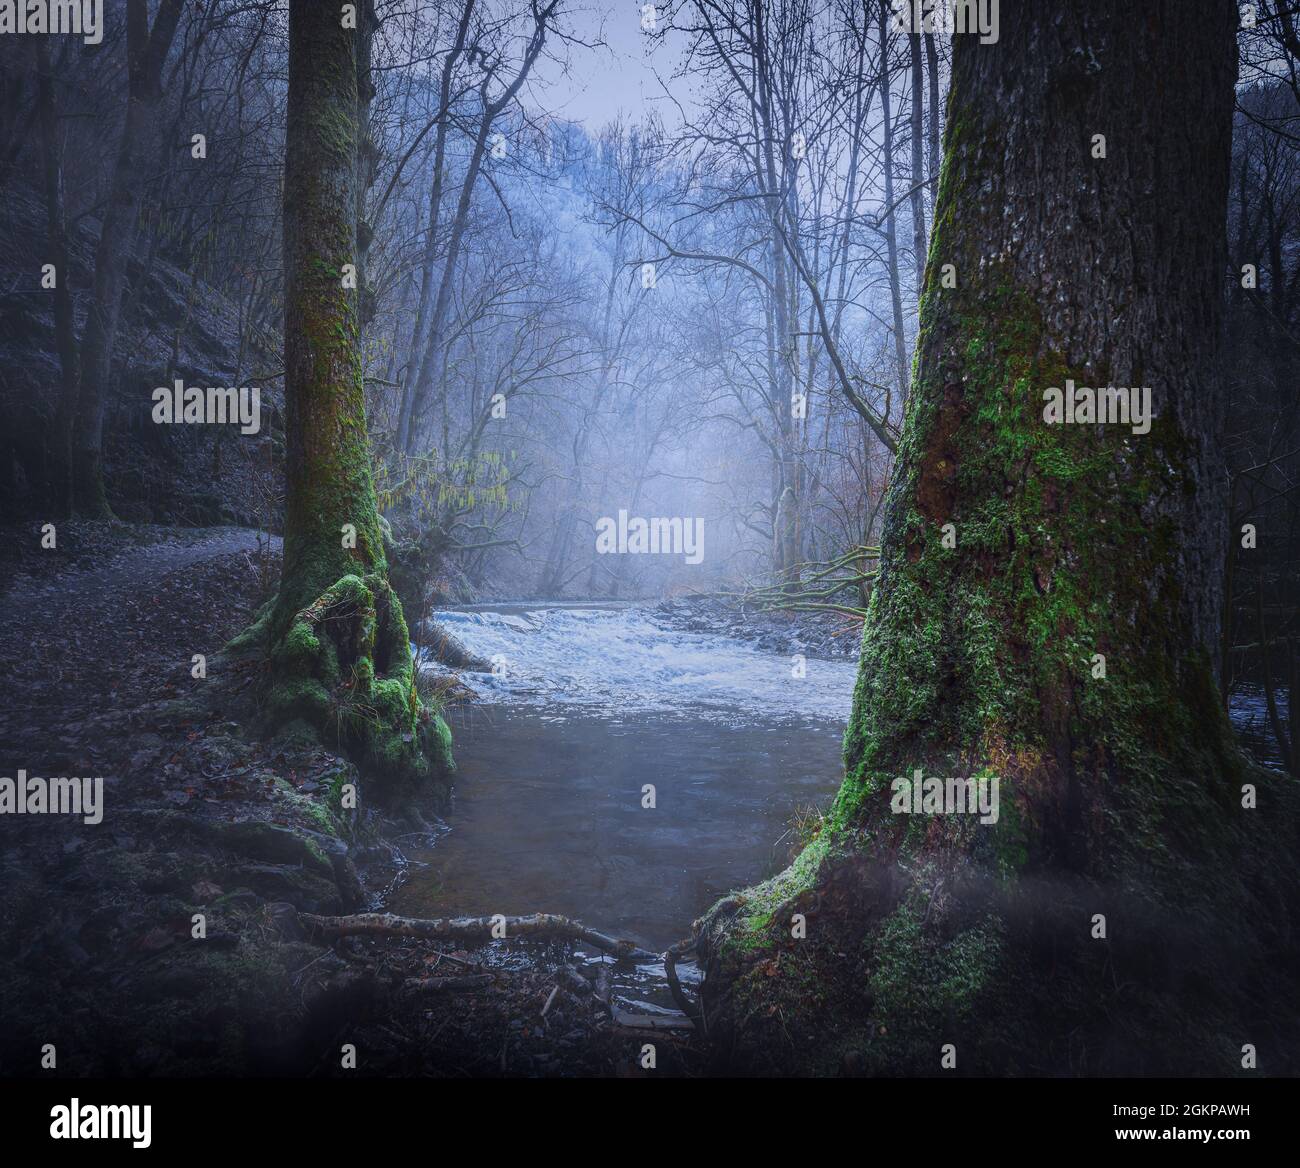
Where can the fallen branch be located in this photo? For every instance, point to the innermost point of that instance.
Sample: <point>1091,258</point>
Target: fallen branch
<point>538,926</point>
<point>629,1021</point>
<point>460,981</point>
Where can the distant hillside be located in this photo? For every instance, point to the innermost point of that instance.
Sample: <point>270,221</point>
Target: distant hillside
<point>172,326</point>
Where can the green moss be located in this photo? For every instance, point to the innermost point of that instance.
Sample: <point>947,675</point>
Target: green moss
<point>926,978</point>
<point>344,665</point>
<point>977,661</point>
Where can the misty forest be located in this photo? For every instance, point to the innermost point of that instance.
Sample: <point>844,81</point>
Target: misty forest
<point>556,538</point>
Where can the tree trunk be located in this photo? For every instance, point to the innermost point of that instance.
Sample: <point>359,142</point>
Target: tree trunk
<point>935,155</point>
<point>340,649</point>
<point>327,461</point>
<point>430,256</point>
<point>146,52</point>
<point>1120,793</point>
<point>59,457</point>
<point>422,384</point>
<point>784,358</point>
<point>890,224</point>
<point>918,160</point>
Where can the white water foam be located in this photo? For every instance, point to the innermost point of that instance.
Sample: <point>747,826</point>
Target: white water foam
<point>619,663</point>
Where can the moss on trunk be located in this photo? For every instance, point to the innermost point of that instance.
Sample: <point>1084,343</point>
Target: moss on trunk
<point>1121,794</point>
<point>336,635</point>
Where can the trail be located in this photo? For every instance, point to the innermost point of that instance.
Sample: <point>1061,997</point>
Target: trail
<point>82,645</point>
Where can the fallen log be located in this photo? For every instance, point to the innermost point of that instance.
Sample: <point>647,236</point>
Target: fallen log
<point>538,926</point>
<point>629,1021</point>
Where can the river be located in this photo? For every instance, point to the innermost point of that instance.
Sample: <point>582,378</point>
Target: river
<point>588,706</point>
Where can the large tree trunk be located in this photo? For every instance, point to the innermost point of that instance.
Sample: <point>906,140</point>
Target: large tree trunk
<point>327,460</point>
<point>339,642</point>
<point>1120,795</point>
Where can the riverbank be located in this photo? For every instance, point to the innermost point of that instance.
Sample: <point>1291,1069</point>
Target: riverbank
<point>167,940</point>
<point>829,635</point>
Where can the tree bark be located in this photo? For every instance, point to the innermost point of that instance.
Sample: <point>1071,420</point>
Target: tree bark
<point>1071,539</point>
<point>339,645</point>
<point>1120,791</point>
<point>327,460</point>
<point>147,50</point>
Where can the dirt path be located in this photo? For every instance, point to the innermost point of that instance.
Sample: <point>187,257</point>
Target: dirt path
<point>80,642</point>
<point>98,641</point>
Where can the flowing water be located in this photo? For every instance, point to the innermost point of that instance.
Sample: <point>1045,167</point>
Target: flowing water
<point>586,708</point>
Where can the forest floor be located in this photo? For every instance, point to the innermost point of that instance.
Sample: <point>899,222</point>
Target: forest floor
<point>201,815</point>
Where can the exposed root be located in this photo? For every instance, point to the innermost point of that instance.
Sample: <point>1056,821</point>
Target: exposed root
<point>684,1004</point>
<point>538,926</point>
<point>344,666</point>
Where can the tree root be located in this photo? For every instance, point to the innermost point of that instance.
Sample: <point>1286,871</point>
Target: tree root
<point>538,926</point>
<point>344,666</point>
<point>693,1013</point>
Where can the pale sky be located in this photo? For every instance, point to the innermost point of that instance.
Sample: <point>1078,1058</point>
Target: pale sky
<point>604,82</point>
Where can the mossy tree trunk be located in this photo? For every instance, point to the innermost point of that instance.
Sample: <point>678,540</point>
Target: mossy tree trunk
<point>1120,791</point>
<point>1072,540</point>
<point>327,456</point>
<point>340,647</point>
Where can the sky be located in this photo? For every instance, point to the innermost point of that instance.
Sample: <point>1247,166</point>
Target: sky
<point>604,82</point>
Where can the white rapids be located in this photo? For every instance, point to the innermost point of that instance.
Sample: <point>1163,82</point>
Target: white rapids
<point>616,661</point>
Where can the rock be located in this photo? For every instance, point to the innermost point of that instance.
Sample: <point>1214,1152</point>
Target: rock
<point>305,890</point>
<point>282,917</point>
<point>276,845</point>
